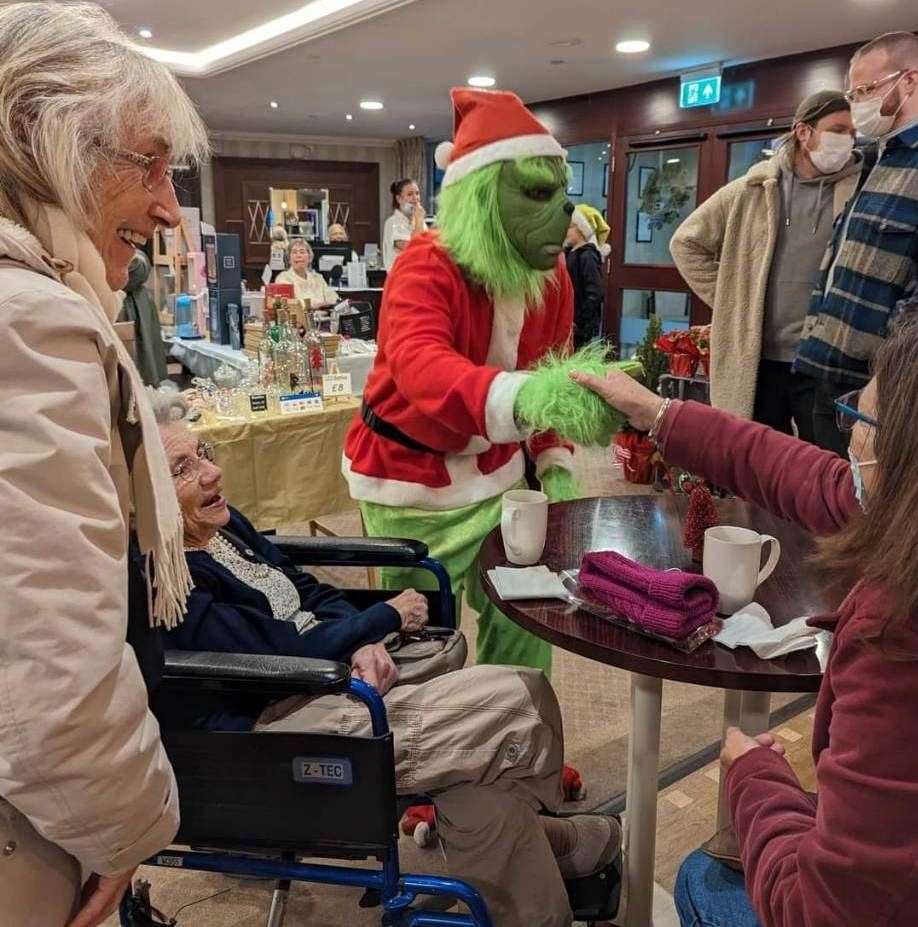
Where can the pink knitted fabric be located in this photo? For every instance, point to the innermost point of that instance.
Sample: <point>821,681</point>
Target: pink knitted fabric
<point>668,602</point>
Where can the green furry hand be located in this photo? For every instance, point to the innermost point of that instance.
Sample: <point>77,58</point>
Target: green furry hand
<point>559,485</point>
<point>551,401</point>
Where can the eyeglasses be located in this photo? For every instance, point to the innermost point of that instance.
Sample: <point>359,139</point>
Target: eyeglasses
<point>847,414</point>
<point>190,467</point>
<point>863,91</point>
<point>155,168</point>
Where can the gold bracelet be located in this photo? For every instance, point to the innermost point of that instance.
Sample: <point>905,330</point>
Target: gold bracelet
<point>658,421</point>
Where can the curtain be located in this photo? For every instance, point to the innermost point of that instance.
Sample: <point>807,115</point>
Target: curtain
<point>412,161</point>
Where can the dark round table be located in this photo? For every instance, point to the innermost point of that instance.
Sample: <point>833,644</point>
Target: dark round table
<point>648,528</point>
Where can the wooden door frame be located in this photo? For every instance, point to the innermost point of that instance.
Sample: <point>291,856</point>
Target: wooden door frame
<point>713,144</point>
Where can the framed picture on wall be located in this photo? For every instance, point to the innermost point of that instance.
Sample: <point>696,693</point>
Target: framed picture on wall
<point>643,231</point>
<point>575,186</point>
<point>644,175</point>
<point>605,180</point>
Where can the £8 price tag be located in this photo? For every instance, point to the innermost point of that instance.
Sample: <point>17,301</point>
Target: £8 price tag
<point>336,384</point>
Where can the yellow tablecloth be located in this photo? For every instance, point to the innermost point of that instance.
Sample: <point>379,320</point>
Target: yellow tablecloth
<point>285,469</point>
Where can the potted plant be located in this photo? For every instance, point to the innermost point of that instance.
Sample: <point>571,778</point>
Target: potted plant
<point>636,453</point>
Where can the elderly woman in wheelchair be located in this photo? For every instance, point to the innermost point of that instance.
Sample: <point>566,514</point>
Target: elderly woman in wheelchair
<point>486,742</point>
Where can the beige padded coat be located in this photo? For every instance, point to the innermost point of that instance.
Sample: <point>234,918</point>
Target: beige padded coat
<point>723,251</point>
<point>80,753</point>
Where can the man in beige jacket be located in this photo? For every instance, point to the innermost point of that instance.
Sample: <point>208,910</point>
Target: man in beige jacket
<point>752,252</point>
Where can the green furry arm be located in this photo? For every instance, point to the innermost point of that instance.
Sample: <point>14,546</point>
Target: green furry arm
<point>551,401</point>
<point>559,485</point>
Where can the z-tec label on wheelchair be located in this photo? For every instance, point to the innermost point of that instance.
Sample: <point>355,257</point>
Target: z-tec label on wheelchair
<point>175,862</point>
<point>323,770</point>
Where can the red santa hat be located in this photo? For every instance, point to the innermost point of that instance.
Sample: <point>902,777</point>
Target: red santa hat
<point>490,126</point>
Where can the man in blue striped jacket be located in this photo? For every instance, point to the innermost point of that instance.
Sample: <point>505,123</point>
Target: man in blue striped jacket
<point>872,261</point>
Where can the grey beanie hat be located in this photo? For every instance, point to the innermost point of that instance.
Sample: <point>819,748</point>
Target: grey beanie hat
<point>819,104</point>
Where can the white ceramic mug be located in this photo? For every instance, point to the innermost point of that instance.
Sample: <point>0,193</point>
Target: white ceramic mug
<point>523,524</point>
<point>733,561</point>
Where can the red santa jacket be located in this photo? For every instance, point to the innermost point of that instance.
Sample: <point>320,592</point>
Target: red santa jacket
<point>446,375</point>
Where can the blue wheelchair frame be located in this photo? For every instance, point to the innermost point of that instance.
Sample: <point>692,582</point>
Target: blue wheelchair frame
<point>398,891</point>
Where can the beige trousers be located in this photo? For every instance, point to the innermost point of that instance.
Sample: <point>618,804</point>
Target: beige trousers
<point>39,882</point>
<point>487,744</point>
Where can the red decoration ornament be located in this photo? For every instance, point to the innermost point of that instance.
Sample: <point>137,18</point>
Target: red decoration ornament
<point>701,515</point>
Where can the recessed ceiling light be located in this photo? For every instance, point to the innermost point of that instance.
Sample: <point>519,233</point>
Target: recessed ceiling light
<point>672,160</point>
<point>632,46</point>
<point>566,43</point>
<point>273,104</point>
<point>348,117</point>
<point>145,33</point>
<point>411,127</point>
<point>480,80</point>
<point>370,104</point>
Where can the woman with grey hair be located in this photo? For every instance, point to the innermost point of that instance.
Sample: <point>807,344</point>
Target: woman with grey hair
<point>307,283</point>
<point>89,131</point>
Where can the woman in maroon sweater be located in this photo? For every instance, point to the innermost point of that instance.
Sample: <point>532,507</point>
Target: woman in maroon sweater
<point>852,858</point>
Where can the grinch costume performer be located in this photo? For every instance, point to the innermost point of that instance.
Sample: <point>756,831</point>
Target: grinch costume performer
<point>468,311</point>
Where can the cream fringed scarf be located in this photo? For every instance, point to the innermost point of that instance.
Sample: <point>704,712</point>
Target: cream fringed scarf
<point>157,516</point>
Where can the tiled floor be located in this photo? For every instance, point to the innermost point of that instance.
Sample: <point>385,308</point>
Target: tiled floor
<point>595,707</point>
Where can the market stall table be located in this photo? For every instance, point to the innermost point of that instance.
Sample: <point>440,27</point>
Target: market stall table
<point>284,469</point>
<point>203,357</point>
<point>649,529</point>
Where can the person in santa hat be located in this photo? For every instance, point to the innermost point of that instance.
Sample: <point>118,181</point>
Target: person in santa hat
<point>467,310</point>
<point>586,250</point>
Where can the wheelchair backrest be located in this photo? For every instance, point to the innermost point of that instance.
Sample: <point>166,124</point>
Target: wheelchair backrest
<point>319,794</point>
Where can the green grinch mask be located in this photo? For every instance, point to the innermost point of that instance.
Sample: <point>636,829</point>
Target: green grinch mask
<point>488,247</point>
<point>534,209</point>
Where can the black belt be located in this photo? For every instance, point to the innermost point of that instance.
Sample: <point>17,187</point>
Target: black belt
<point>387,430</point>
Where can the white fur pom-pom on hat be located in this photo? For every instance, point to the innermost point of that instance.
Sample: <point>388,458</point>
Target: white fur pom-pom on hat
<point>491,126</point>
<point>442,153</point>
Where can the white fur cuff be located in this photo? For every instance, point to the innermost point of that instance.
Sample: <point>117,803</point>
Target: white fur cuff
<point>554,457</point>
<point>499,421</point>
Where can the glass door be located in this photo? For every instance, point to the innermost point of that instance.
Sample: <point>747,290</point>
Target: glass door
<point>656,189</point>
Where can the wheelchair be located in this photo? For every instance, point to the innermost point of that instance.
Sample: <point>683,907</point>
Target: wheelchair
<point>255,805</point>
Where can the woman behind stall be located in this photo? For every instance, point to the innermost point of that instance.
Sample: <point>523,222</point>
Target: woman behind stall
<point>307,283</point>
<point>850,856</point>
<point>407,219</point>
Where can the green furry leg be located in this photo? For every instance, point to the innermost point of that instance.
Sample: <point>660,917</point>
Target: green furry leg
<point>551,401</point>
<point>559,485</point>
<point>454,537</point>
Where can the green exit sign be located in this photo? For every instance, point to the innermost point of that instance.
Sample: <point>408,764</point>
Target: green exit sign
<point>701,91</point>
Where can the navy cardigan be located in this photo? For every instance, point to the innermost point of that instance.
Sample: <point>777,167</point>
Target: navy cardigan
<point>226,615</point>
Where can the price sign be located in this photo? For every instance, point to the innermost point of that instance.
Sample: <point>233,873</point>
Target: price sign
<point>293,403</point>
<point>336,385</point>
<point>258,402</point>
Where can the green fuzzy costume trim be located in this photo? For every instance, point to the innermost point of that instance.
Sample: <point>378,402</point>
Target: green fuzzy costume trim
<point>470,227</point>
<point>551,401</point>
<point>559,485</point>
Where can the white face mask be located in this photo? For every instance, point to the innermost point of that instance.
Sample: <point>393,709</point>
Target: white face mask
<point>407,209</point>
<point>868,118</point>
<point>858,477</point>
<point>832,153</point>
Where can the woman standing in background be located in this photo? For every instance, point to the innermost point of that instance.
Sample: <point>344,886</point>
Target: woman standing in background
<point>407,219</point>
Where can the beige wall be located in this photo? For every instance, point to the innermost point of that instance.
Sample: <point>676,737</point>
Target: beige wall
<point>316,148</point>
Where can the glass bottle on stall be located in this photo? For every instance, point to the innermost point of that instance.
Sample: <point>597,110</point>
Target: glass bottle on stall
<point>286,357</point>
<point>315,359</point>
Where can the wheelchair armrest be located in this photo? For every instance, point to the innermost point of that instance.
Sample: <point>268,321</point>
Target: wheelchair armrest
<point>254,673</point>
<point>339,551</point>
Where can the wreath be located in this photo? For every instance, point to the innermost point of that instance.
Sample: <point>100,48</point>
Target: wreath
<point>665,195</point>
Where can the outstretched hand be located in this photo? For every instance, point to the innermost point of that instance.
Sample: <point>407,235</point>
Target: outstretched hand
<point>550,401</point>
<point>622,392</point>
